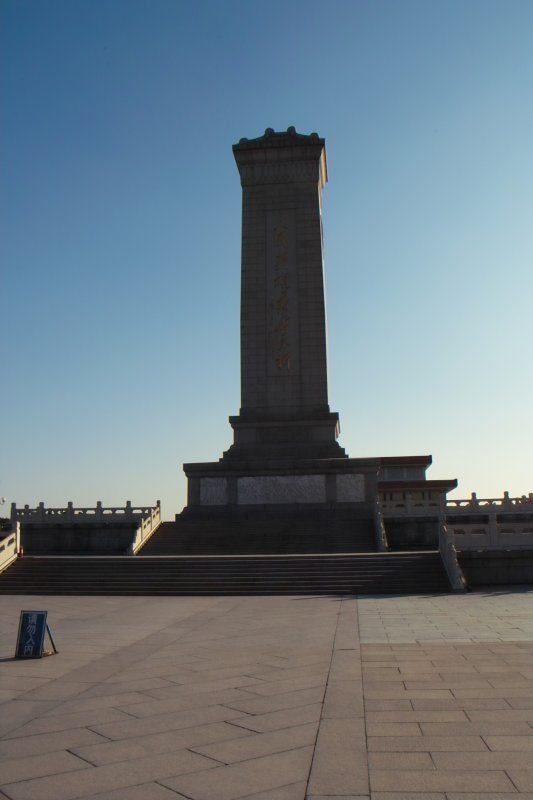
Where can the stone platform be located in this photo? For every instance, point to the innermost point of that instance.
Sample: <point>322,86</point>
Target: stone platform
<point>282,485</point>
<point>271,698</point>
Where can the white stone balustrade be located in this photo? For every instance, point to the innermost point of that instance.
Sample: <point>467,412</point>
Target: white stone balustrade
<point>147,526</point>
<point>83,515</point>
<point>411,502</point>
<point>475,523</point>
<point>484,504</point>
<point>379,528</point>
<point>504,523</point>
<point>9,545</point>
<point>448,554</point>
<point>420,502</point>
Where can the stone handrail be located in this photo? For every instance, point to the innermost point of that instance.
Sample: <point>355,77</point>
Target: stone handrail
<point>71,514</point>
<point>418,503</point>
<point>147,526</point>
<point>485,505</point>
<point>504,523</point>
<point>492,534</point>
<point>9,546</point>
<point>448,555</point>
<point>379,529</point>
<point>411,503</point>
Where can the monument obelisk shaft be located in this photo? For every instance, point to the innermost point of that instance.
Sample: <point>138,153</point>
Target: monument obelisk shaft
<point>284,390</point>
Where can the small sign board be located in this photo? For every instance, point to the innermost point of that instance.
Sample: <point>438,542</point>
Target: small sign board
<point>32,630</point>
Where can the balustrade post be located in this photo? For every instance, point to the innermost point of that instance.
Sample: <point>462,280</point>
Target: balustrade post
<point>70,511</point>
<point>13,512</point>
<point>40,513</point>
<point>128,510</point>
<point>493,526</point>
<point>99,511</point>
<point>474,502</point>
<point>507,502</point>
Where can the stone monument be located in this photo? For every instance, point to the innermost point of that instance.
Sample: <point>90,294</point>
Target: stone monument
<point>285,452</point>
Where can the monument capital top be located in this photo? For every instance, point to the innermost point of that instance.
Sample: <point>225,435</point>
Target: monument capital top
<point>272,138</point>
<point>281,157</point>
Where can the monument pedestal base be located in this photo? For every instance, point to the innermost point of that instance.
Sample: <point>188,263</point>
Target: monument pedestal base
<point>282,485</point>
<point>285,436</point>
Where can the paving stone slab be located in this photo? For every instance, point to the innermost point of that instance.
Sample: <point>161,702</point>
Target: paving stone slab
<point>440,781</point>
<point>295,791</point>
<point>418,715</point>
<point>506,760</point>
<point>260,744</point>
<point>492,796</point>
<point>343,699</point>
<point>47,743</point>
<point>338,797</point>
<point>416,796</point>
<point>108,752</point>
<point>145,791</point>
<point>264,705</point>
<point>35,766</point>
<point>151,708</point>
<point>245,778</point>
<point>267,689</point>
<point>165,722</point>
<point>81,719</point>
<point>406,744</point>
<point>276,720</point>
<point>522,779</point>
<point>475,728</point>
<point>340,760</point>
<point>87,782</point>
<point>186,687</point>
<point>409,760</point>
<point>82,703</point>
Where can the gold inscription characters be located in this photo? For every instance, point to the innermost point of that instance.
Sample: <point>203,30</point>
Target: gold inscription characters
<point>281,308</point>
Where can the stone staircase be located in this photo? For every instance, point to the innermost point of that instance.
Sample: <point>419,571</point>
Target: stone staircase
<point>363,573</point>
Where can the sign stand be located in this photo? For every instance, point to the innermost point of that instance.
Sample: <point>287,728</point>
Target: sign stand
<point>49,632</point>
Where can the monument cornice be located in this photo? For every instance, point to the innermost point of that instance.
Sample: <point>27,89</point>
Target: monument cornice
<point>396,461</point>
<point>422,485</point>
<point>286,157</point>
<point>273,466</point>
<point>272,138</point>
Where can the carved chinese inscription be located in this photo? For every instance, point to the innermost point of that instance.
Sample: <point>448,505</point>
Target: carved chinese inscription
<point>282,309</point>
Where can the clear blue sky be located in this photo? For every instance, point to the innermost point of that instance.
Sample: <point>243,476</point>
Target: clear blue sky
<point>121,232</point>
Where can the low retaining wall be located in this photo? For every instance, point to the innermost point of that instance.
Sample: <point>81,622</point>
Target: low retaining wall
<point>89,539</point>
<point>419,533</point>
<point>496,567</point>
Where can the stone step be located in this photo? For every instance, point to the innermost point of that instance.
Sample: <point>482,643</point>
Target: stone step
<point>174,575</point>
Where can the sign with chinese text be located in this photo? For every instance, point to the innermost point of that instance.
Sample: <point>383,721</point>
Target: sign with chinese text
<point>32,630</point>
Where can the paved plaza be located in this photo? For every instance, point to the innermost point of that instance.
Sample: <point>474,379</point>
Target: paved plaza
<point>271,698</point>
